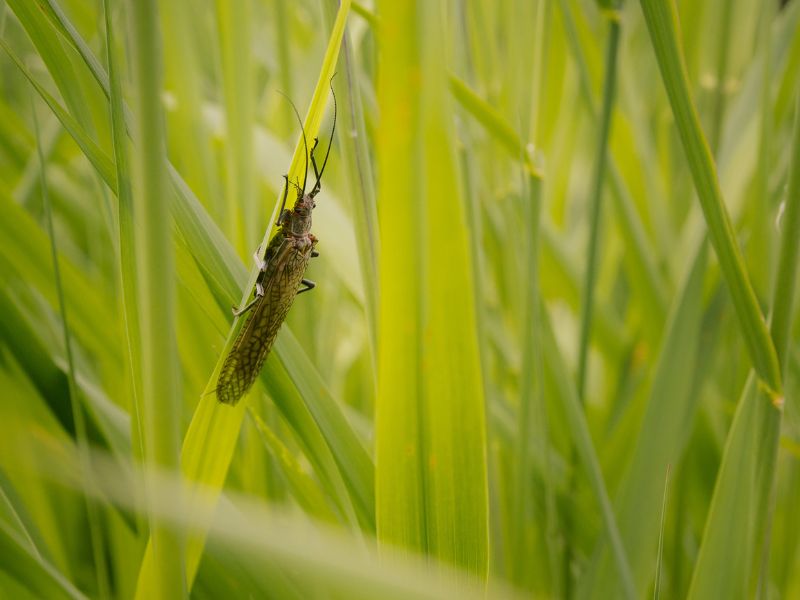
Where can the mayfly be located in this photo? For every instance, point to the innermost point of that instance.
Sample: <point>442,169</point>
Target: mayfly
<point>280,279</point>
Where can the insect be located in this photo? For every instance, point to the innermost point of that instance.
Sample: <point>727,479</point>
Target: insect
<point>280,280</point>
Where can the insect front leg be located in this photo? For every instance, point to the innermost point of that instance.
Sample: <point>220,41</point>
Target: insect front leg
<point>309,285</point>
<point>314,164</point>
<point>262,267</point>
<point>261,264</point>
<point>283,203</point>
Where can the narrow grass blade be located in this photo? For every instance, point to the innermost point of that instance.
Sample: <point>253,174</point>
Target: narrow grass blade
<point>492,121</point>
<point>78,417</point>
<point>556,372</point>
<point>660,553</point>
<point>598,177</point>
<point>125,242</point>
<point>785,290</point>
<point>661,18</point>
<point>99,159</point>
<point>631,227</point>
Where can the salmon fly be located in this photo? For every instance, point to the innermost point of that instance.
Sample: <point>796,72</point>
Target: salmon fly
<point>280,280</point>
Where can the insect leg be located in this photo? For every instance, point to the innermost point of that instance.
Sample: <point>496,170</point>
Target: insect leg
<point>285,194</point>
<point>316,169</point>
<point>314,160</point>
<point>310,285</point>
<point>237,312</point>
<point>262,264</point>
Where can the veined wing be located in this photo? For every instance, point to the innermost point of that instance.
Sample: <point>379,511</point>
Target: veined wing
<point>281,280</point>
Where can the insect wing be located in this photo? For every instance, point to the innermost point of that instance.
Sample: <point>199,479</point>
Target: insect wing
<point>243,364</point>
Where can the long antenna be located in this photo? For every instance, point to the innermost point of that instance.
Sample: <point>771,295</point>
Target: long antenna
<point>330,142</point>
<point>305,143</point>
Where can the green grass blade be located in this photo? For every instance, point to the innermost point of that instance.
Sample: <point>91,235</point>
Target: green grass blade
<point>598,177</point>
<point>234,23</point>
<point>95,535</point>
<point>725,561</point>
<point>661,18</point>
<point>126,243</point>
<point>532,418</point>
<point>32,569</point>
<point>556,371</point>
<point>304,489</point>
<point>356,157</point>
<point>660,553</point>
<point>96,156</point>
<point>431,467</point>
<point>296,170</point>
<point>630,222</point>
<point>785,290</point>
<point>494,123</point>
<point>592,250</point>
<point>670,409</point>
<point>155,283</point>
<point>209,442</point>
<point>739,516</point>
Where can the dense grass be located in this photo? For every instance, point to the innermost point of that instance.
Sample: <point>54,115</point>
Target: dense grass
<point>553,350</point>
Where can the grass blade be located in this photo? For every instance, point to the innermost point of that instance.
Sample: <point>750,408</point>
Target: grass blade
<point>661,18</point>
<point>209,442</point>
<point>556,371</point>
<point>161,400</point>
<point>431,490</point>
<point>670,409</point>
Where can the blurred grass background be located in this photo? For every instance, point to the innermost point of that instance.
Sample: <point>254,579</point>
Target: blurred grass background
<point>552,350</point>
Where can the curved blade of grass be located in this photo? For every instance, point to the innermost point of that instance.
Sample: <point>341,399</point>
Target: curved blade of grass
<point>431,489</point>
<point>98,158</point>
<point>739,513</point>
<point>661,18</point>
<point>493,122</point>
